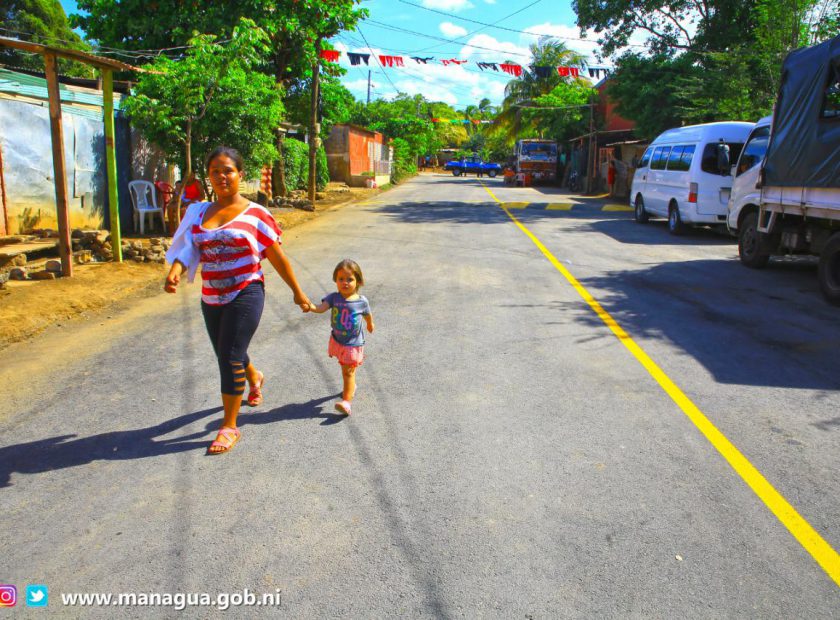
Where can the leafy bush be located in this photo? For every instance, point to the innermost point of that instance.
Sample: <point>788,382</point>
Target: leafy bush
<point>296,160</point>
<point>322,171</point>
<point>405,163</point>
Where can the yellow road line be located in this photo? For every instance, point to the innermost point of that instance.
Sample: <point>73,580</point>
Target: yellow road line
<point>807,536</point>
<point>616,208</point>
<point>559,206</point>
<point>515,205</point>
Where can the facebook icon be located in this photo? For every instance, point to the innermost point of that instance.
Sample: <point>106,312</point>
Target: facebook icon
<point>36,596</point>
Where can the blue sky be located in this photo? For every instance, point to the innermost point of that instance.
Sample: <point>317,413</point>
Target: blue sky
<point>408,28</point>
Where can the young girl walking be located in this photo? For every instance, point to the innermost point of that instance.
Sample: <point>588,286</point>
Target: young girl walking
<point>347,341</point>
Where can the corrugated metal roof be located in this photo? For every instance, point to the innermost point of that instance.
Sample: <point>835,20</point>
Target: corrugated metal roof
<point>74,99</point>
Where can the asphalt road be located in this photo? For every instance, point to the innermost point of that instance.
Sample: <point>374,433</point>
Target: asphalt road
<point>508,455</point>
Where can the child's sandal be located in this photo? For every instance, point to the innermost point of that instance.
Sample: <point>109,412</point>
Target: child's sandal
<point>343,406</point>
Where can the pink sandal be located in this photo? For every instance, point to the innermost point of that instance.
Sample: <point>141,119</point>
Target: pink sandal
<point>255,396</point>
<point>226,439</point>
<point>343,406</point>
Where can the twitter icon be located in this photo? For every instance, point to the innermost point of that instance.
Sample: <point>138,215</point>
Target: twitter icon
<point>36,596</point>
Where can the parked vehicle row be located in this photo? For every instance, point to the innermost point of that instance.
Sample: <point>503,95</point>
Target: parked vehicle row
<point>782,195</point>
<point>684,175</point>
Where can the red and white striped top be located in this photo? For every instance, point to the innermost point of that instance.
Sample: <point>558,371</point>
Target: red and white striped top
<point>231,254</point>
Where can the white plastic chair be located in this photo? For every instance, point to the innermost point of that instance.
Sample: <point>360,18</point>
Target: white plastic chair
<point>144,201</point>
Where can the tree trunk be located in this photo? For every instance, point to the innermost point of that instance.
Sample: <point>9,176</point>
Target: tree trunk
<point>176,216</point>
<point>278,174</point>
<point>313,126</point>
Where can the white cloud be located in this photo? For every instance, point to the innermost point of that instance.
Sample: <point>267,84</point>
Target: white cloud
<point>568,35</point>
<point>496,51</point>
<point>448,5</point>
<point>451,30</point>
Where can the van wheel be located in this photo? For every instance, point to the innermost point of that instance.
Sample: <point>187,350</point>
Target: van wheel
<point>456,172</point>
<point>492,174</point>
<point>752,244</point>
<point>675,223</point>
<point>639,212</point>
<point>829,270</point>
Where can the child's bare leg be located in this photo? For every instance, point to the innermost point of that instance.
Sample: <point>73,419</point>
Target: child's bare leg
<point>348,373</point>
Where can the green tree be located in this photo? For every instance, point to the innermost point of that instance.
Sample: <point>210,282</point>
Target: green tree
<point>295,28</point>
<point>565,95</point>
<point>337,103</point>
<point>40,21</point>
<point>213,95</point>
<point>715,78</point>
<point>638,81</point>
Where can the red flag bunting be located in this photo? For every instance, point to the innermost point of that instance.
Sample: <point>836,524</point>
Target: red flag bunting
<point>330,55</point>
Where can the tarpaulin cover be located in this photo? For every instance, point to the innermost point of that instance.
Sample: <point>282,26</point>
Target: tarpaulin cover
<point>804,147</point>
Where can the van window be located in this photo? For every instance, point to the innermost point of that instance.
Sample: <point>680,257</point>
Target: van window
<point>831,104</point>
<point>660,156</point>
<point>680,159</point>
<point>754,150</point>
<point>645,158</point>
<point>714,162</point>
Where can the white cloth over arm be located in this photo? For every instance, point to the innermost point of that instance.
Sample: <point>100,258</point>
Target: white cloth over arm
<point>183,249</point>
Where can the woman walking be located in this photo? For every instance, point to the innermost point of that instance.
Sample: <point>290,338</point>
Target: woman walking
<point>229,238</point>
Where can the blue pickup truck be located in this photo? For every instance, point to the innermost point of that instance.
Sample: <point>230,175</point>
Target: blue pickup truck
<point>466,165</point>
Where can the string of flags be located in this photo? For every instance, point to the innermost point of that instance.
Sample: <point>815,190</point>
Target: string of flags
<point>509,68</point>
<point>465,121</point>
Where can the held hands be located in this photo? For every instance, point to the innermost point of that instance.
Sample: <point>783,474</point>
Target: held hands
<point>304,303</point>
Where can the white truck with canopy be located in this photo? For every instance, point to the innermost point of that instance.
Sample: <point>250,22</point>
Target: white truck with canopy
<point>793,206</point>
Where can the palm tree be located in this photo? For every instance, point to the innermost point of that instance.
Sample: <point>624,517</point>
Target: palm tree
<point>545,52</point>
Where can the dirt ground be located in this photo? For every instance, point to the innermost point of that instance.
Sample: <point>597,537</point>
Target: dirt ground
<point>28,308</point>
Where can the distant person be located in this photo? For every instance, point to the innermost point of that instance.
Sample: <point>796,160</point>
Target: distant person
<point>229,238</point>
<point>193,191</point>
<point>347,340</point>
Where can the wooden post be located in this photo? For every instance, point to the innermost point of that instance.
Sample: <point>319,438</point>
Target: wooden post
<point>63,212</point>
<point>313,126</point>
<point>111,163</point>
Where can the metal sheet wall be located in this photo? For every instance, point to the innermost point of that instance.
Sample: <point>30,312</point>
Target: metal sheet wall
<point>28,168</point>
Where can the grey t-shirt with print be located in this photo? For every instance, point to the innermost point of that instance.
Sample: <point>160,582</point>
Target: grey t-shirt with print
<point>346,319</point>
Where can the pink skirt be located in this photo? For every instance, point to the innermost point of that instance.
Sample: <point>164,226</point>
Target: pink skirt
<point>347,356</point>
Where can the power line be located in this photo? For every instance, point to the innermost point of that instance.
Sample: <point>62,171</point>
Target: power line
<point>435,38</point>
<point>473,21</point>
<point>397,90</point>
<point>474,32</point>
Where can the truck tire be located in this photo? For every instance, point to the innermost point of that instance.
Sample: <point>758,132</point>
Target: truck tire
<point>752,244</point>
<point>829,270</point>
<point>675,223</point>
<point>639,214</point>
<point>492,174</point>
<point>456,172</point>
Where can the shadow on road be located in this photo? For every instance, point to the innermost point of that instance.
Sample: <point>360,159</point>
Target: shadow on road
<point>65,451</point>
<point>294,411</point>
<point>746,327</point>
<point>626,230</point>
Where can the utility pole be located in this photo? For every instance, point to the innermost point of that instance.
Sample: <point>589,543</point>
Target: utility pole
<point>368,87</point>
<point>314,128</point>
<point>590,154</point>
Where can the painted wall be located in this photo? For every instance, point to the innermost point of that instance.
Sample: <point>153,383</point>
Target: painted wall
<point>28,168</point>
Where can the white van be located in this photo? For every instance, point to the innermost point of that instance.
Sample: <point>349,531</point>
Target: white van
<point>745,189</point>
<point>684,175</point>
